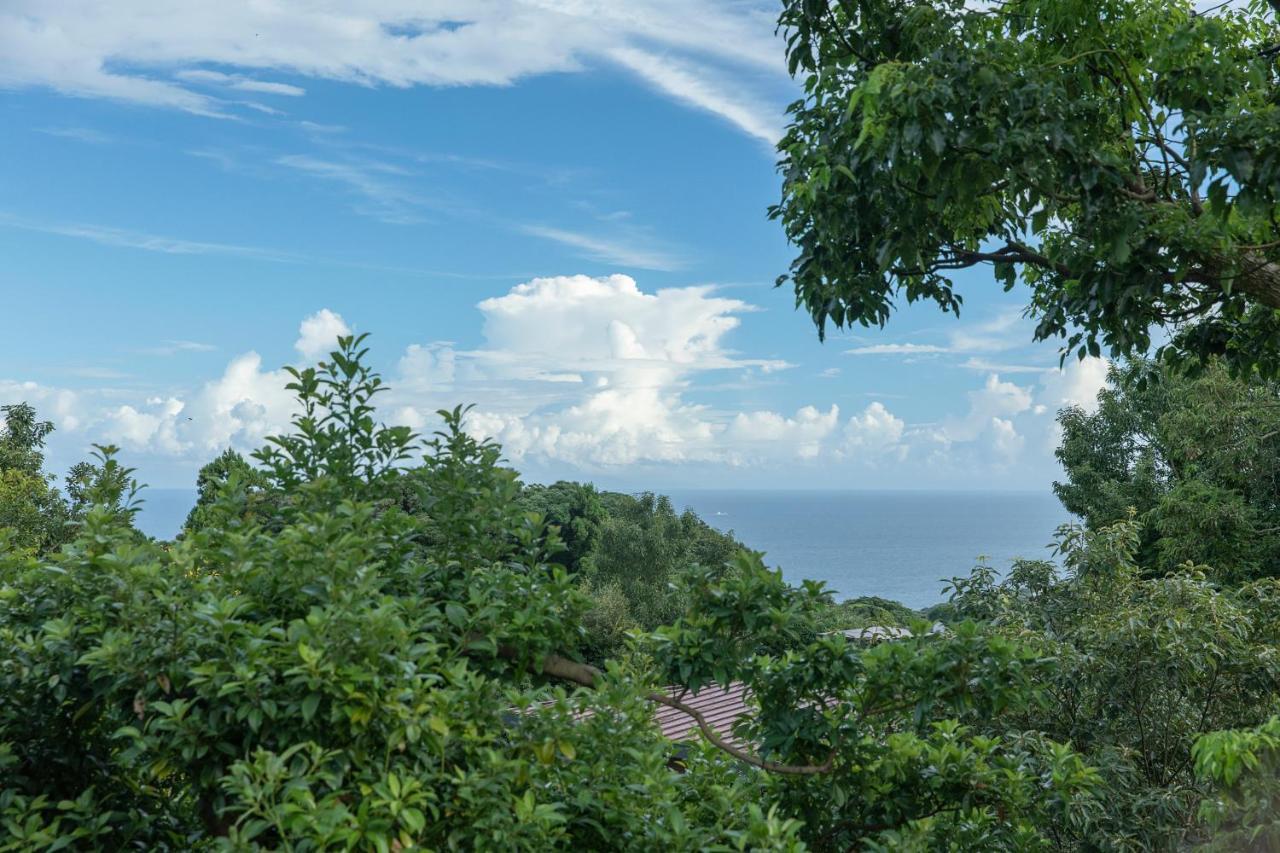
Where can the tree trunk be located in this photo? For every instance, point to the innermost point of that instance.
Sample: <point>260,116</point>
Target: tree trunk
<point>1249,273</point>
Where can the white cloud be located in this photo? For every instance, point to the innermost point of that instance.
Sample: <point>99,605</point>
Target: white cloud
<point>988,423</point>
<point>174,347</point>
<point>1077,383</point>
<point>993,400</point>
<point>587,375</point>
<point>874,432</point>
<point>772,433</point>
<point>239,82</point>
<point>1005,440</point>
<point>624,250</point>
<point>62,406</point>
<point>423,368</point>
<point>718,56</point>
<point>1005,331</point>
<point>375,184</point>
<point>897,349</point>
<point>152,428</point>
<point>319,333</point>
<point>700,87</point>
<point>593,372</point>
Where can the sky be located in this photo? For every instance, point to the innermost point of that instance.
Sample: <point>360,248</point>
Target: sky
<point>554,210</point>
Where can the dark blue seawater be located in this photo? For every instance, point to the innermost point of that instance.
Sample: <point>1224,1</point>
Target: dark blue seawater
<point>899,545</point>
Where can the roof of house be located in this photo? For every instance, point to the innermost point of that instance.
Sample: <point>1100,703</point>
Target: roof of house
<point>720,706</point>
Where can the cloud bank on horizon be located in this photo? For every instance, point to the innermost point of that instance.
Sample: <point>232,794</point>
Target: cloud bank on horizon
<point>588,376</point>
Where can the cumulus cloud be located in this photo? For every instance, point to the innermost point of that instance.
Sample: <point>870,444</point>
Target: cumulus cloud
<point>1005,440</point>
<point>592,371</point>
<point>987,428</point>
<point>153,427</point>
<point>591,375</point>
<point>1077,383</point>
<point>62,406</point>
<point>996,399</point>
<point>720,57</point>
<point>768,433</point>
<point>874,432</point>
<point>319,334</point>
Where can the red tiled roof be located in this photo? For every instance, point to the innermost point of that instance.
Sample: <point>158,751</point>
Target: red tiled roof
<point>721,706</point>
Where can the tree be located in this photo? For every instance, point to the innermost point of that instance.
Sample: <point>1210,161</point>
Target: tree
<point>864,612</point>
<point>1143,666</point>
<point>213,478</point>
<point>38,517</point>
<point>1121,158</point>
<point>1198,459</point>
<point>641,548</point>
<point>576,511</point>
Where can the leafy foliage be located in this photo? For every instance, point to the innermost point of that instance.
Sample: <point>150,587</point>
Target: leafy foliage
<point>577,512</point>
<point>1198,459</point>
<point>1143,665</point>
<point>1118,157</point>
<point>37,515</point>
<point>642,547</point>
<point>864,612</point>
<point>318,673</point>
<point>362,641</point>
<point>1242,811</point>
<point>879,749</point>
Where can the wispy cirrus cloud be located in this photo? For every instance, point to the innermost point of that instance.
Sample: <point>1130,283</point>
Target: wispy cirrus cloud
<point>166,348</point>
<point>379,187</point>
<point>147,242</point>
<point>125,238</point>
<point>897,349</point>
<point>699,86</point>
<point>80,134</point>
<point>1005,331</point>
<point>239,82</point>
<point>722,56</point>
<point>623,249</point>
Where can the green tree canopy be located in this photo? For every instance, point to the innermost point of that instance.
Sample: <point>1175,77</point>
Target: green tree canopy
<point>228,468</point>
<point>575,509</point>
<point>1197,458</point>
<point>1143,666</point>
<point>35,513</point>
<point>1121,158</point>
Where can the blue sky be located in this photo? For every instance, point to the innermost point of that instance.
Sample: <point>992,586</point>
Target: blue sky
<point>552,210</point>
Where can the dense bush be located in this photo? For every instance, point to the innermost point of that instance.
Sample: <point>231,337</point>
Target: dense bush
<point>366,640</point>
<point>316,674</point>
<point>1143,665</point>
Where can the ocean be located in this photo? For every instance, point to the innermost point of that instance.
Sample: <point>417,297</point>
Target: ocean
<point>898,545</point>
